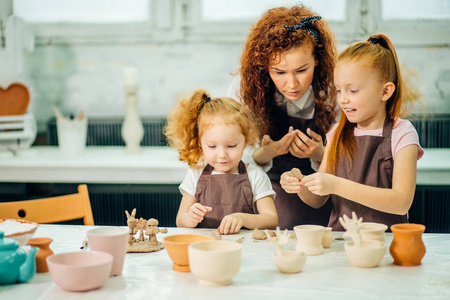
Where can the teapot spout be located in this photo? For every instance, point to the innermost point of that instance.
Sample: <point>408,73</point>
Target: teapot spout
<point>28,268</point>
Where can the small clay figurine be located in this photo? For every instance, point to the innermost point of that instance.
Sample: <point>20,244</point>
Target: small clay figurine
<point>140,227</point>
<point>152,230</point>
<point>132,223</point>
<point>215,234</point>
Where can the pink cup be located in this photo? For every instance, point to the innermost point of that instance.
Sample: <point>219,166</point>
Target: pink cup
<point>112,240</point>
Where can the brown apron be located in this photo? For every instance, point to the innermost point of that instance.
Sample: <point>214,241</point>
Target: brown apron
<point>291,210</point>
<point>373,165</point>
<point>225,193</point>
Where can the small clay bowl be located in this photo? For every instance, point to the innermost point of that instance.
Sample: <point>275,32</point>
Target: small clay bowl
<point>18,229</point>
<point>215,262</point>
<point>368,255</point>
<point>290,261</point>
<point>80,271</point>
<point>177,248</point>
<point>373,231</point>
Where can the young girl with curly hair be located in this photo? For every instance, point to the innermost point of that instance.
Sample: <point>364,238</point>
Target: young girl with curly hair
<point>219,190</point>
<point>371,157</point>
<point>286,76</point>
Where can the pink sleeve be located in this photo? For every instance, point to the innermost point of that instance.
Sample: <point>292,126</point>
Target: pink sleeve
<point>404,134</point>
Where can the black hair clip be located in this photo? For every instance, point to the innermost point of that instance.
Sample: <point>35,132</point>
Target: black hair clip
<point>377,41</point>
<point>305,25</point>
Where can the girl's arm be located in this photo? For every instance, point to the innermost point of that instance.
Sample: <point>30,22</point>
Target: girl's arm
<point>190,212</point>
<point>267,218</point>
<point>396,200</point>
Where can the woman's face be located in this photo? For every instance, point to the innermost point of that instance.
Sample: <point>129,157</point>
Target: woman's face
<point>292,71</point>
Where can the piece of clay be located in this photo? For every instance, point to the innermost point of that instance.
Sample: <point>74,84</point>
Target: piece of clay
<point>297,173</point>
<point>259,234</point>
<point>215,234</point>
<point>163,230</point>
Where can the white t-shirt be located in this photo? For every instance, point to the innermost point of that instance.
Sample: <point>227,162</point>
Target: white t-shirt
<point>259,181</point>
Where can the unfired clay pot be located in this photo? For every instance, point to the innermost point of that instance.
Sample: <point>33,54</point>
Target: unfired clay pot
<point>373,231</point>
<point>177,248</point>
<point>215,262</point>
<point>44,250</point>
<point>407,247</point>
<point>368,255</point>
<point>327,238</point>
<point>290,261</point>
<point>309,239</point>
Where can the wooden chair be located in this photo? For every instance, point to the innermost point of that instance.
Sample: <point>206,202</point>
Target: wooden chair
<point>51,210</point>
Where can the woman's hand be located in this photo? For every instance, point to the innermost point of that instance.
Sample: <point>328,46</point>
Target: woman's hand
<point>198,211</point>
<point>290,183</point>
<point>321,184</point>
<point>270,148</point>
<point>303,146</point>
<point>231,223</point>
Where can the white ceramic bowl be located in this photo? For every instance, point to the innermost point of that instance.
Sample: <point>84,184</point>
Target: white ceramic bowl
<point>80,271</point>
<point>290,262</point>
<point>373,231</point>
<point>368,255</point>
<point>19,230</point>
<point>215,262</point>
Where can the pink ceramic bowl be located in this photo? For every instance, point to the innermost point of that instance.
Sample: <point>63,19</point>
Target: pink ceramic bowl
<point>18,229</point>
<point>80,271</point>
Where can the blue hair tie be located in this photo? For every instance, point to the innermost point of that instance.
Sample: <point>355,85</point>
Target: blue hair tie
<point>305,25</point>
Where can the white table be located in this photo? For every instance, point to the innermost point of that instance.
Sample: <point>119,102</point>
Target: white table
<point>158,165</point>
<point>327,276</point>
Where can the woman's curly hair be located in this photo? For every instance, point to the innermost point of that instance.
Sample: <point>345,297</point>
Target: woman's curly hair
<point>266,40</point>
<point>191,117</point>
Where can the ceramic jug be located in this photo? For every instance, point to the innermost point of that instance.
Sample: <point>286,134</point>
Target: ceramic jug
<point>15,264</point>
<point>44,250</point>
<point>407,247</point>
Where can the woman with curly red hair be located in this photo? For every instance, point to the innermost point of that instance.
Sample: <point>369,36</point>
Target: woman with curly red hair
<point>286,76</point>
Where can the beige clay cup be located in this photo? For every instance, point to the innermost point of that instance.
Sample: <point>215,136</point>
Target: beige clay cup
<point>215,262</point>
<point>309,239</point>
<point>369,255</point>
<point>373,231</point>
<point>290,262</point>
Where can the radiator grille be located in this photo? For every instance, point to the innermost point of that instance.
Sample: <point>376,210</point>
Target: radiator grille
<point>434,132</point>
<point>107,132</point>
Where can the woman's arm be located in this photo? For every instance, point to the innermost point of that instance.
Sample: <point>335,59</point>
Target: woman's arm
<point>267,218</point>
<point>190,212</point>
<point>396,200</point>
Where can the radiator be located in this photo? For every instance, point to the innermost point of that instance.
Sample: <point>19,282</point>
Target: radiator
<point>434,132</point>
<point>107,132</point>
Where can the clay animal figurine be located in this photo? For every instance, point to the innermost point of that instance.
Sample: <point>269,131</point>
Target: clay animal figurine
<point>132,224</point>
<point>152,230</point>
<point>352,227</point>
<point>140,227</point>
<point>279,240</point>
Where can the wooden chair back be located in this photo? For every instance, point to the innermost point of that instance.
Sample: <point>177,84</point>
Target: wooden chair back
<point>51,210</point>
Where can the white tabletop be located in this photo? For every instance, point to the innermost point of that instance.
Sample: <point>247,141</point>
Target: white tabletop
<point>158,165</point>
<point>327,276</point>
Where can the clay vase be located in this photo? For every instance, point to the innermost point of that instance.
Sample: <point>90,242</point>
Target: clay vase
<point>44,250</point>
<point>327,238</point>
<point>407,247</point>
<point>309,239</point>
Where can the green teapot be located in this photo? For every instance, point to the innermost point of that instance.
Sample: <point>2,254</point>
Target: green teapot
<point>15,264</point>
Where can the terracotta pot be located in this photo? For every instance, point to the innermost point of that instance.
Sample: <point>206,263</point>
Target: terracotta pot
<point>407,247</point>
<point>44,250</point>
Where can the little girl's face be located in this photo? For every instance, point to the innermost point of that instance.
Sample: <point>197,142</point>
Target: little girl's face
<point>360,94</point>
<point>223,146</point>
<point>292,71</point>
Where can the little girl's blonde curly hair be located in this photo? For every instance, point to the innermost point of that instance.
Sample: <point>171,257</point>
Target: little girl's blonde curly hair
<point>192,117</point>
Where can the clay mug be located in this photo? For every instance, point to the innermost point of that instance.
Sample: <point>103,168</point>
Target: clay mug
<point>112,240</point>
<point>407,247</point>
<point>309,239</point>
<point>44,250</point>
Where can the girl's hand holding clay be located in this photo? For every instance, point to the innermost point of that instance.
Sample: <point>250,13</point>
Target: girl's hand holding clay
<point>231,223</point>
<point>198,211</point>
<point>290,181</point>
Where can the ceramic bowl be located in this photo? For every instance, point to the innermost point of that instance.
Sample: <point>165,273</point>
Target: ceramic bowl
<point>373,231</point>
<point>80,271</point>
<point>215,262</point>
<point>290,261</point>
<point>177,248</point>
<point>17,229</point>
<point>368,255</point>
